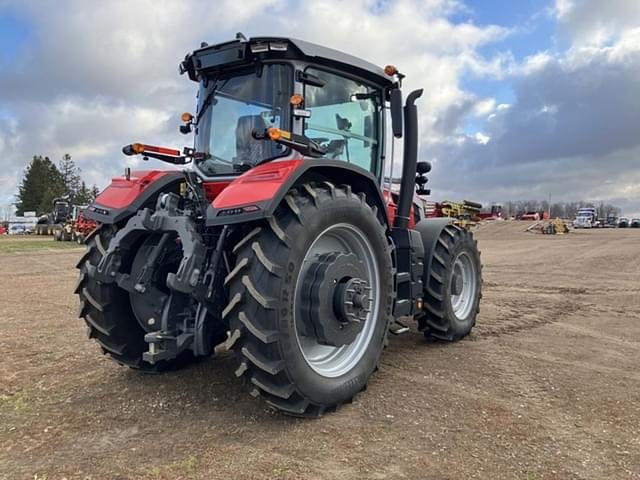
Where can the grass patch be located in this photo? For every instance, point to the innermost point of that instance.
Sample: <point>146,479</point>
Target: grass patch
<point>19,244</point>
<point>18,402</point>
<point>183,468</point>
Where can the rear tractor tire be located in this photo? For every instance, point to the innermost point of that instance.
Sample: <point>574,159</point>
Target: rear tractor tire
<point>107,311</point>
<point>454,287</point>
<point>311,299</point>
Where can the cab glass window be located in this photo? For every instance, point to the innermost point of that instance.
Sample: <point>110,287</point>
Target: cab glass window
<point>231,109</point>
<point>344,118</point>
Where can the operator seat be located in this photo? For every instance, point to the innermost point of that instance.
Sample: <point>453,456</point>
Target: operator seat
<point>250,151</point>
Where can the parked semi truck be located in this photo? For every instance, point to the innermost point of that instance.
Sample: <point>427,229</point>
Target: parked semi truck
<point>587,217</point>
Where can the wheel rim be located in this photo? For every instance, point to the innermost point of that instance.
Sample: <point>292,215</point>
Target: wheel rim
<point>463,283</point>
<point>326,360</point>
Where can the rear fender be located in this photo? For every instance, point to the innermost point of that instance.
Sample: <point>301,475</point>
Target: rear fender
<point>430,229</point>
<point>123,198</point>
<point>257,193</point>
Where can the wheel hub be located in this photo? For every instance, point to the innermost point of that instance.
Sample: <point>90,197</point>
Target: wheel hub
<point>336,298</point>
<point>456,283</point>
<point>351,301</point>
<point>463,286</point>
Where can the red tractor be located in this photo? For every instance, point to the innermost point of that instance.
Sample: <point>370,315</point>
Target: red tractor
<point>279,239</point>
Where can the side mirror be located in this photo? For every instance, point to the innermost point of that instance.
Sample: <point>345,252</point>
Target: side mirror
<point>423,167</point>
<point>421,181</point>
<point>396,112</point>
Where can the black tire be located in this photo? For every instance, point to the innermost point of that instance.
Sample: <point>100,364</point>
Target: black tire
<point>106,309</point>
<point>262,287</point>
<point>440,321</point>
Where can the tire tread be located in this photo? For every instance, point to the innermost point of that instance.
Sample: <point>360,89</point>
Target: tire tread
<point>255,343</point>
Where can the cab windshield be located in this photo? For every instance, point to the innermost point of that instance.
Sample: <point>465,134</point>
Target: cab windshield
<point>231,108</point>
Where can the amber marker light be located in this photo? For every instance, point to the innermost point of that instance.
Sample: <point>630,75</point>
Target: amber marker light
<point>186,117</point>
<point>296,99</point>
<point>390,70</point>
<point>137,148</point>
<point>274,133</point>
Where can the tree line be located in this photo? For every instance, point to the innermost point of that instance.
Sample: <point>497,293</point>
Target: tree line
<point>557,209</point>
<point>43,181</point>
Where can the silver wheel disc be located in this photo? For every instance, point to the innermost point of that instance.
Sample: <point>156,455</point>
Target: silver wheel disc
<point>326,360</point>
<point>463,279</point>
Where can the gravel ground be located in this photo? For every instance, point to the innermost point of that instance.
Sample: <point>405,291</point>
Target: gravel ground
<point>547,386</point>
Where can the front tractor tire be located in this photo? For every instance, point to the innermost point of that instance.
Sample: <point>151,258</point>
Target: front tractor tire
<point>311,299</point>
<point>108,314</point>
<point>453,288</point>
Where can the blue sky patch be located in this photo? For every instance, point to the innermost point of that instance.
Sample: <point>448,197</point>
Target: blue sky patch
<point>14,34</point>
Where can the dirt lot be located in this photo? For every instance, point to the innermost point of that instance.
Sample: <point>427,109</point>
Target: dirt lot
<point>548,385</point>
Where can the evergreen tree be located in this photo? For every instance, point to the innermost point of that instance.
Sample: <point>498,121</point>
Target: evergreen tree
<point>83,196</point>
<point>42,182</point>
<point>55,188</point>
<point>95,191</point>
<point>70,174</point>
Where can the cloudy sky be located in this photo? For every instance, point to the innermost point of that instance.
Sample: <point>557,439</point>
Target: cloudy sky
<point>525,99</point>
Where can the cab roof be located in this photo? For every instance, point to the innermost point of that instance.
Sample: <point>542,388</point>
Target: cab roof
<point>242,51</point>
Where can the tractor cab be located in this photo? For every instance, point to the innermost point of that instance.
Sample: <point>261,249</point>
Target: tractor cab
<point>269,98</point>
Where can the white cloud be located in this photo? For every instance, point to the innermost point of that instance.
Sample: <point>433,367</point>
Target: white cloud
<point>484,107</point>
<point>532,64</point>
<point>596,22</point>
<point>563,8</point>
<point>571,131</point>
<point>481,138</point>
<point>96,76</point>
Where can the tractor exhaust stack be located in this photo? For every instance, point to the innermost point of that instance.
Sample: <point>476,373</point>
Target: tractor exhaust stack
<point>410,160</point>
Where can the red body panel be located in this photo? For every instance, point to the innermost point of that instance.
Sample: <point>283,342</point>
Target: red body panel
<point>213,189</point>
<point>392,208</point>
<point>263,182</point>
<point>256,185</point>
<point>122,192</point>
